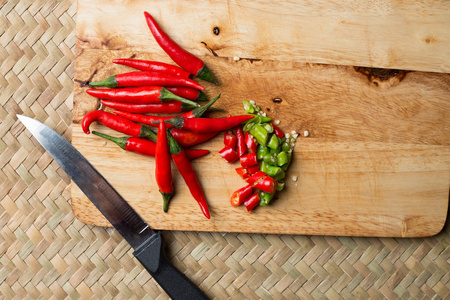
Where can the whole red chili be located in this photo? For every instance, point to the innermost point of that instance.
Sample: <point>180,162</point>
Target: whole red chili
<point>188,138</point>
<point>145,78</point>
<point>229,154</point>
<point>139,95</point>
<point>241,195</point>
<point>146,147</point>
<point>252,202</point>
<point>117,123</point>
<point>153,66</point>
<point>206,125</point>
<point>242,148</point>
<point>163,172</point>
<point>187,172</point>
<point>183,58</point>
<point>188,93</point>
<point>150,120</point>
<point>248,160</point>
<point>170,107</point>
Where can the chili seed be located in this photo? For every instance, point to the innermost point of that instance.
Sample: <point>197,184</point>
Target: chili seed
<point>236,58</point>
<point>306,133</point>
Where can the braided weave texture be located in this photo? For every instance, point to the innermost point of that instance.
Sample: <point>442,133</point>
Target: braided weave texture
<point>46,253</point>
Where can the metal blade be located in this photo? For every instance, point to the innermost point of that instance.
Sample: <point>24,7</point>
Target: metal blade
<point>118,212</point>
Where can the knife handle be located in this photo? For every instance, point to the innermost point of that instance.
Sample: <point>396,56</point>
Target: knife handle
<point>151,255</point>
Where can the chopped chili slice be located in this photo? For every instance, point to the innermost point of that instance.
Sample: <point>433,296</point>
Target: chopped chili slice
<point>252,202</point>
<point>255,178</point>
<point>248,160</point>
<point>278,132</point>
<point>229,139</point>
<point>242,148</point>
<point>241,195</point>
<point>253,169</point>
<point>250,142</point>
<point>243,172</point>
<point>229,154</point>
<point>268,185</point>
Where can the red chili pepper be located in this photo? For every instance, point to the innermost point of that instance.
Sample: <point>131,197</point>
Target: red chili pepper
<point>242,148</point>
<point>241,195</point>
<point>278,132</point>
<point>206,125</point>
<point>117,123</point>
<point>145,78</point>
<point>146,147</point>
<point>247,172</point>
<point>153,66</point>
<point>150,120</point>
<point>229,154</point>
<point>248,160</point>
<point>139,95</point>
<point>253,169</point>
<point>250,142</point>
<point>252,202</point>
<point>183,58</point>
<point>229,139</point>
<point>268,185</point>
<point>188,138</point>
<point>144,119</point>
<point>188,93</point>
<point>187,172</point>
<point>163,172</point>
<point>170,107</point>
<point>256,177</point>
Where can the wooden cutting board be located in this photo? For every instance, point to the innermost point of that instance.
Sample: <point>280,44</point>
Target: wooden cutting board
<point>377,158</point>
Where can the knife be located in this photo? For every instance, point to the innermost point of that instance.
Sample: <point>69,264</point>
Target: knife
<point>146,242</point>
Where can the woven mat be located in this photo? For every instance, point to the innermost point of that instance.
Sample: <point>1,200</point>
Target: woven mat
<point>45,252</point>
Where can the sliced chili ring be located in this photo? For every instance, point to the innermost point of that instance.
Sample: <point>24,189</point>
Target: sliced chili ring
<point>252,202</point>
<point>250,142</point>
<point>241,195</point>
<point>241,147</point>
<point>252,180</point>
<point>253,169</point>
<point>229,139</point>
<point>278,132</point>
<point>249,160</point>
<point>267,184</point>
<point>229,154</point>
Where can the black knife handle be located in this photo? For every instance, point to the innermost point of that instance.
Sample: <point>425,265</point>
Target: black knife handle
<point>151,255</point>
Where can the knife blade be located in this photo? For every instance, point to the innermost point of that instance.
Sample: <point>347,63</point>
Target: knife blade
<point>146,242</point>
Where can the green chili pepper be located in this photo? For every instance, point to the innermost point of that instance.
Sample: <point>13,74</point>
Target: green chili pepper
<point>261,151</point>
<point>273,142</point>
<point>248,107</point>
<point>282,158</point>
<point>265,198</point>
<point>280,185</point>
<point>268,127</point>
<point>275,172</point>
<point>285,166</point>
<point>263,166</point>
<point>257,108</point>
<point>270,159</point>
<point>285,147</point>
<point>260,134</point>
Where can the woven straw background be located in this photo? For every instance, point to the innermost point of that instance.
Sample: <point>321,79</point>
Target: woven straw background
<point>46,253</point>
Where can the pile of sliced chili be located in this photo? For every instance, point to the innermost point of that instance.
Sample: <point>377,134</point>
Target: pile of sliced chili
<point>264,153</point>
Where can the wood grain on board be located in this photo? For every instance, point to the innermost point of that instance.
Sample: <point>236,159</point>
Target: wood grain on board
<point>410,35</point>
<point>376,163</point>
